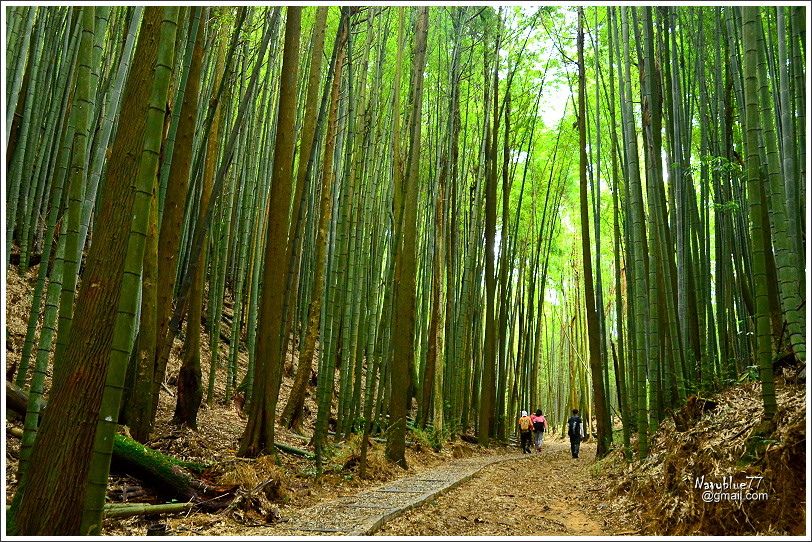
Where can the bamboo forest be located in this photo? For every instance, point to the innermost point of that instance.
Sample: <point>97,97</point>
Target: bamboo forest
<point>405,270</point>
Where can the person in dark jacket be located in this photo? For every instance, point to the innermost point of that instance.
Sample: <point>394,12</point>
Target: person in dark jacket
<point>575,430</point>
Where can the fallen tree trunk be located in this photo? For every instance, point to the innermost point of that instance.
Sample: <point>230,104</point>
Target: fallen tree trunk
<point>17,399</point>
<point>166,474</point>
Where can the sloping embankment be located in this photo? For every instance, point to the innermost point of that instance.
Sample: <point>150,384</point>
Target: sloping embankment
<point>695,481</point>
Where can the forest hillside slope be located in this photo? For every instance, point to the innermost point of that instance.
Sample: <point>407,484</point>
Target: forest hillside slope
<point>263,490</point>
<point>700,480</point>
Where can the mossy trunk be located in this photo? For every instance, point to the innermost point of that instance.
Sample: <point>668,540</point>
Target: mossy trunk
<point>163,472</point>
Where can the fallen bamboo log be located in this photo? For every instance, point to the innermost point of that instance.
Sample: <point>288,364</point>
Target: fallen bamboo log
<point>139,509</point>
<point>120,510</point>
<point>295,451</point>
<point>164,473</point>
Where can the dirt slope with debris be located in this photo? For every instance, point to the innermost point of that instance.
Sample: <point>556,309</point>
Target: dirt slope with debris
<point>267,488</point>
<point>697,481</point>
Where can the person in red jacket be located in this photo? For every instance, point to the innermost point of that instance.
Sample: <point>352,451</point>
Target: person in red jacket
<point>539,427</point>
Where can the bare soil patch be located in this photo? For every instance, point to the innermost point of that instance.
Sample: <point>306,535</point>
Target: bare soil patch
<point>543,494</point>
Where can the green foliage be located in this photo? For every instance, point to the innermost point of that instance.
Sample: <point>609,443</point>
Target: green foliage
<point>730,207</point>
<point>691,388</point>
<point>751,375</point>
<point>431,437</point>
<point>718,165</point>
<point>358,425</point>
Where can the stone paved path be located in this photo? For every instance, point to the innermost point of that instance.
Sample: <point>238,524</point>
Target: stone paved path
<point>365,512</point>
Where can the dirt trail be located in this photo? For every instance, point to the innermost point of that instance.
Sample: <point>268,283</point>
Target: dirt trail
<point>547,493</point>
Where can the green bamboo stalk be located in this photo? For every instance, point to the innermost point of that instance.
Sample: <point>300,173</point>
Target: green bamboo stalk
<point>78,178</point>
<point>788,138</point>
<point>41,364</point>
<point>637,229</point>
<point>797,48</point>
<point>54,214</point>
<point>21,155</point>
<point>784,243</point>
<point>125,510</point>
<point>125,320</point>
<point>37,147</point>
<point>13,90</point>
<point>177,109</point>
<point>16,16</point>
<point>110,111</point>
<point>349,226</point>
<point>757,204</point>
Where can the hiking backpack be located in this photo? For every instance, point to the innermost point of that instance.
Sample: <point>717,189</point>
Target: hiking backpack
<point>524,424</point>
<point>573,429</point>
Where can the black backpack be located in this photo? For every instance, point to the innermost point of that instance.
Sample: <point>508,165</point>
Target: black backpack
<point>538,426</point>
<point>573,426</point>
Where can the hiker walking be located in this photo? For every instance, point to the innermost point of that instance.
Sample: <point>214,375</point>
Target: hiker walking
<point>539,427</point>
<point>575,430</point>
<point>525,432</point>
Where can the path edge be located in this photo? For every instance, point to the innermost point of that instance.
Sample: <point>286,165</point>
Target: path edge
<point>388,516</point>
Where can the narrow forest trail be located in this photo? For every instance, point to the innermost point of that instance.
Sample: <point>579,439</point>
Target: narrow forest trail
<point>545,494</point>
